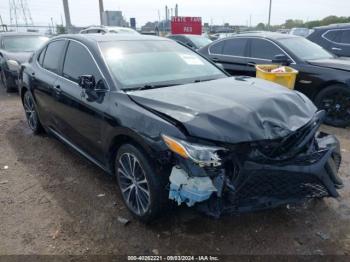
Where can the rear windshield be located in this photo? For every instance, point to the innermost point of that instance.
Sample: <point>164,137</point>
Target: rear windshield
<point>23,43</point>
<point>200,41</point>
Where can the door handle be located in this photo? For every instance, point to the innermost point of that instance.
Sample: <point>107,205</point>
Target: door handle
<point>252,64</point>
<point>57,89</point>
<point>215,59</point>
<point>336,49</point>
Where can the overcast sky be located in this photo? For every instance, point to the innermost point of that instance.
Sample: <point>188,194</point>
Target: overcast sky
<point>85,12</point>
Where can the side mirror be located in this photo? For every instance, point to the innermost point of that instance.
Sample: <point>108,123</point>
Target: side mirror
<point>281,59</point>
<point>87,82</point>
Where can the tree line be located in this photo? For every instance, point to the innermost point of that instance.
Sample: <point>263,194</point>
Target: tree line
<point>291,23</point>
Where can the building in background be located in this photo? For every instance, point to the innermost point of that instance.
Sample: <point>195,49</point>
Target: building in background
<point>133,23</point>
<point>114,18</point>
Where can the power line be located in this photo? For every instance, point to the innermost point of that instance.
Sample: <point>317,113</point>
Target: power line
<point>20,13</point>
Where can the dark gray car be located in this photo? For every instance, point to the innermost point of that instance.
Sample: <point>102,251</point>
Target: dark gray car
<point>334,38</point>
<point>15,49</point>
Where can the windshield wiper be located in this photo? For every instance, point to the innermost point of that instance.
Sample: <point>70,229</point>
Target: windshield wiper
<point>204,80</point>
<point>147,87</point>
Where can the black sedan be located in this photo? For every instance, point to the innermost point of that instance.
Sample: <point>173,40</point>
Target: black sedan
<point>323,77</point>
<point>169,124</point>
<point>16,48</point>
<point>193,41</point>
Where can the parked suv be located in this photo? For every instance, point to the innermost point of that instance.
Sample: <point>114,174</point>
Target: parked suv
<point>169,124</point>
<point>334,38</point>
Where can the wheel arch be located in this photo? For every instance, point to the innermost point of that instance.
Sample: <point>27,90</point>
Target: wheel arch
<point>118,140</point>
<point>326,85</point>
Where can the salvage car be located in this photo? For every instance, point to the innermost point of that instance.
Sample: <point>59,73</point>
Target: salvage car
<point>334,38</point>
<point>16,48</point>
<point>169,124</point>
<point>323,77</point>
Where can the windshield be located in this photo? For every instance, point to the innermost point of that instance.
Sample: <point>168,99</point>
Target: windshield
<point>135,64</point>
<point>123,31</point>
<point>23,43</point>
<point>200,41</point>
<point>305,49</point>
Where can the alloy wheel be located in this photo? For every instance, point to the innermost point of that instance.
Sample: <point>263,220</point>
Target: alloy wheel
<point>133,184</point>
<point>30,112</point>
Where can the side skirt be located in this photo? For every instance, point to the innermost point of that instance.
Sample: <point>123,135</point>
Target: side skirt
<point>80,151</point>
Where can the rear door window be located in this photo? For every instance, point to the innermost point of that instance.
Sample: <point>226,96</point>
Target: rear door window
<point>235,47</point>
<point>333,36</point>
<point>263,49</point>
<point>217,48</point>
<point>345,38</point>
<point>53,56</point>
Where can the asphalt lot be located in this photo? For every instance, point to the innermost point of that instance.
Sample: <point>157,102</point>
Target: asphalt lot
<point>52,201</point>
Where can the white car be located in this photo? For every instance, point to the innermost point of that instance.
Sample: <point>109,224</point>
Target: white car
<point>108,30</point>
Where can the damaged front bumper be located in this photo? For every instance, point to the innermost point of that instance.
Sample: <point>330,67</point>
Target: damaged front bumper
<point>251,183</point>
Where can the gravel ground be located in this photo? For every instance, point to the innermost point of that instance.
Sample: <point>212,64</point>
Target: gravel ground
<point>52,201</point>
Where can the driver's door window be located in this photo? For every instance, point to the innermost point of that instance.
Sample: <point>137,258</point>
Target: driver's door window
<point>79,62</point>
<point>265,50</point>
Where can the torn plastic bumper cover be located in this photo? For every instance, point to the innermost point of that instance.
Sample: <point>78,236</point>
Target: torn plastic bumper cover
<point>306,166</point>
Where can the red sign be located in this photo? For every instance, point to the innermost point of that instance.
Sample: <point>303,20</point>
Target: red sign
<point>186,25</point>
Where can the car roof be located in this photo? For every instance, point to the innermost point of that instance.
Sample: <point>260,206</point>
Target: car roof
<point>268,35</point>
<point>110,37</point>
<point>333,26</point>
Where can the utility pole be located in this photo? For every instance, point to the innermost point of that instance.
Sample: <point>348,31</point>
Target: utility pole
<point>67,15</point>
<point>53,27</point>
<point>269,22</point>
<point>101,11</point>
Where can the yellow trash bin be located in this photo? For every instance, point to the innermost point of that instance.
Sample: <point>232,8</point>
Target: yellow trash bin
<point>286,79</point>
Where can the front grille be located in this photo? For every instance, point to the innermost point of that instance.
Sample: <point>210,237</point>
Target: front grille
<point>272,186</point>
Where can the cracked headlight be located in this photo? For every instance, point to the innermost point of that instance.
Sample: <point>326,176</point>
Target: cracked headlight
<point>200,154</point>
<point>13,65</point>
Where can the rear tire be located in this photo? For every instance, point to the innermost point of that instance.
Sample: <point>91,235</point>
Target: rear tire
<point>335,100</point>
<point>31,113</point>
<point>4,83</point>
<point>141,187</point>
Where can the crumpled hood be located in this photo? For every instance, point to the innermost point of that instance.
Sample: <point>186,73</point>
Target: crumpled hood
<point>342,63</point>
<point>20,57</point>
<point>230,110</point>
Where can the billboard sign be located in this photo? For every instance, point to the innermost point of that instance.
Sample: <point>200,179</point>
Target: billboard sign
<point>186,25</point>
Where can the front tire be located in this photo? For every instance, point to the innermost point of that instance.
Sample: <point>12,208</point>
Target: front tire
<point>141,188</point>
<point>335,100</point>
<point>31,113</point>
